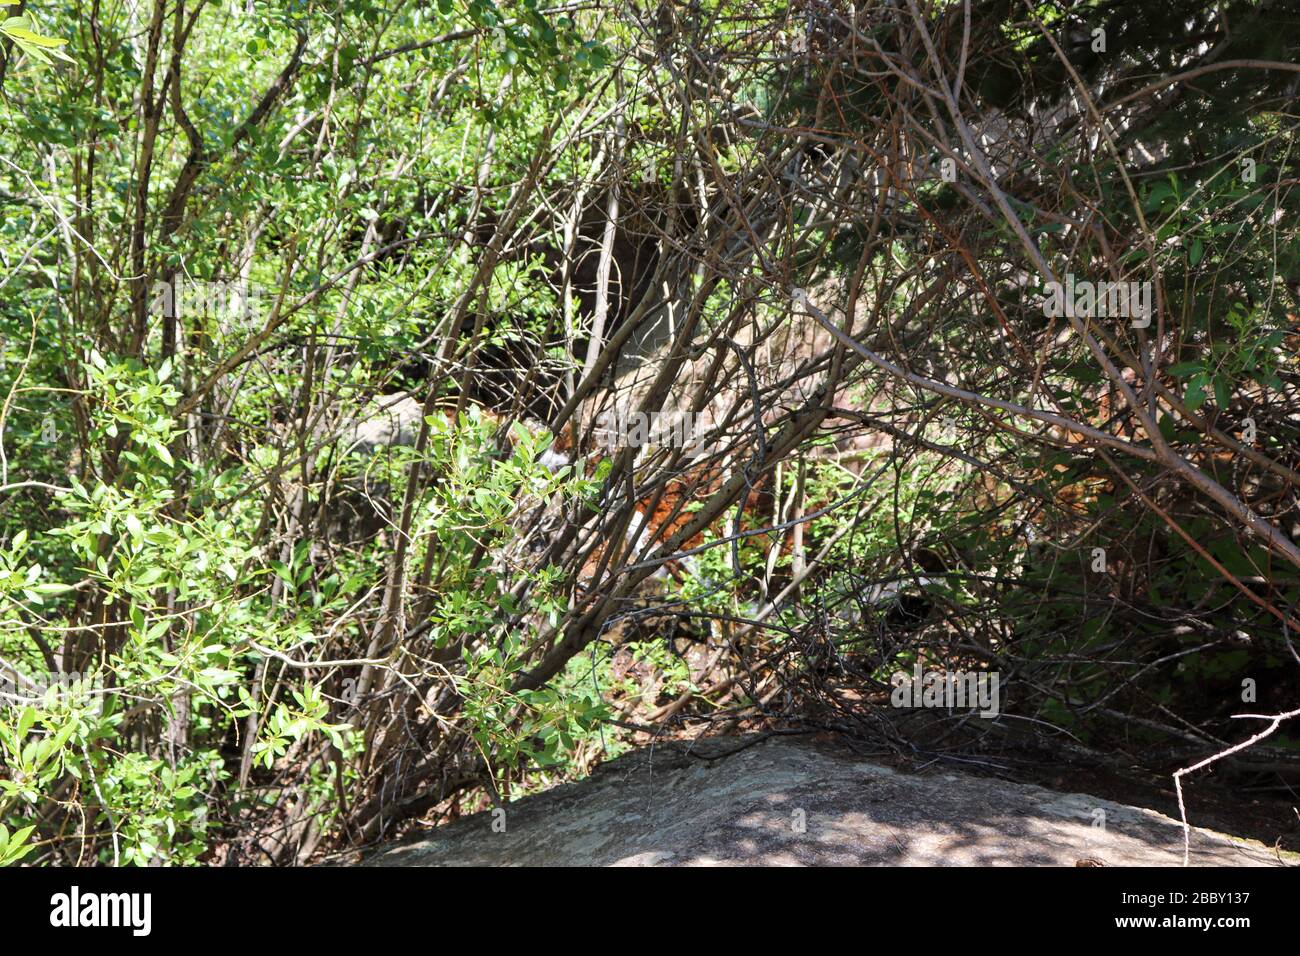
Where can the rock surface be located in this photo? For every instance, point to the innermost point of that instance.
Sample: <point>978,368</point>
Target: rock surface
<point>661,807</point>
<point>385,421</point>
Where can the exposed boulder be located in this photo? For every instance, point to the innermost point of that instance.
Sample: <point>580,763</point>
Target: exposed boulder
<point>785,801</point>
<point>385,421</point>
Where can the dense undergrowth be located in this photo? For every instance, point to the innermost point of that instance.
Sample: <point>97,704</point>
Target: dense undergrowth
<point>247,615</point>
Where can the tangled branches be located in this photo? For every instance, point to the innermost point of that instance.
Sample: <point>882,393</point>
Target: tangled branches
<point>982,317</point>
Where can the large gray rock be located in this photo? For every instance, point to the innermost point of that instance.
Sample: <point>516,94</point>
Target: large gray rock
<point>385,421</point>
<point>661,807</point>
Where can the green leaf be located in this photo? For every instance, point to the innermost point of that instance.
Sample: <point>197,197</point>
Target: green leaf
<point>1222,391</point>
<point>149,576</point>
<point>1184,369</point>
<point>26,721</point>
<point>52,587</point>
